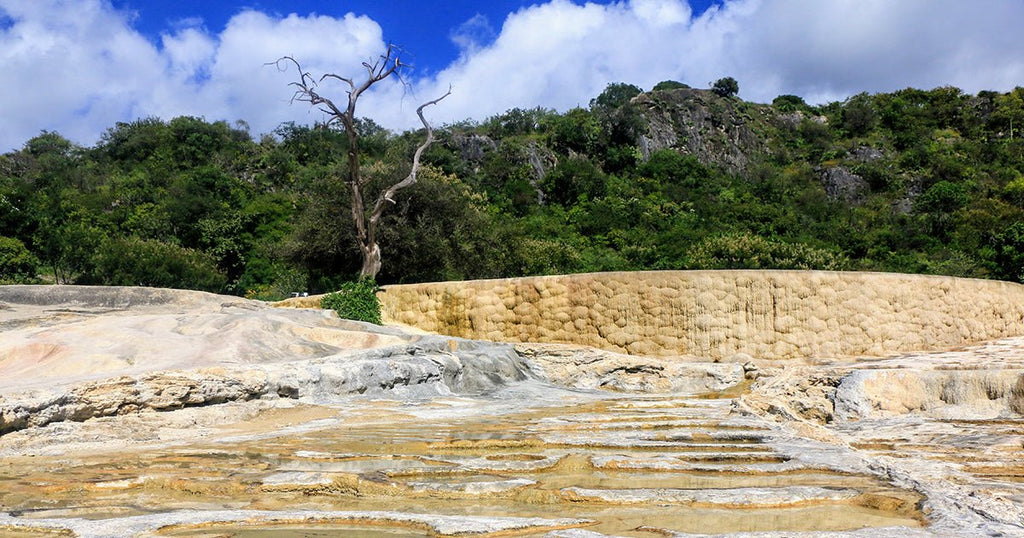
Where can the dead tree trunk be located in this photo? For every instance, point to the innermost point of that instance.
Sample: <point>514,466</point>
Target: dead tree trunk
<point>366,223</point>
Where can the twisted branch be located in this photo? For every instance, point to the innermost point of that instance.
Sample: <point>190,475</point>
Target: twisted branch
<point>387,64</point>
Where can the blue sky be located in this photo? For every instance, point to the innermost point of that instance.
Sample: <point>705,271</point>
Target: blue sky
<point>424,29</point>
<point>79,66</point>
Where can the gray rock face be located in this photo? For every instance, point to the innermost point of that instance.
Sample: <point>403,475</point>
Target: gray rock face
<point>473,147</point>
<point>865,154</point>
<point>714,129</point>
<point>843,185</point>
<point>420,370</point>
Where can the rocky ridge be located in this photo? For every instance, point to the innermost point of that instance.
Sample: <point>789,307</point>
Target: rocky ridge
<point>716,130</point>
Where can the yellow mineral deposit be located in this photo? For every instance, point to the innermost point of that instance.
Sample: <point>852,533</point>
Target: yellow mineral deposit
<point>689,465</point>
<point>719,314</point>
<point>630,405</point>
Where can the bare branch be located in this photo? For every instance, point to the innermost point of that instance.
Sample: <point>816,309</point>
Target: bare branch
<point>338,77</point>
<point>409,180</point>
<point>387,64</point>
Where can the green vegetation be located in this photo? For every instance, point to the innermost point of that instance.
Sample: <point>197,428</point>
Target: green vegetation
<point>726,87</point>
<point>920,181</point>
<point>17,264</point>
<point>355,300</point>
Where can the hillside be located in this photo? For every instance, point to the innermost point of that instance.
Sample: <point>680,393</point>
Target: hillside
<point>916,181</point>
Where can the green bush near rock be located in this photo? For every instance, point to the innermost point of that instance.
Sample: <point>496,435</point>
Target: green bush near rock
<point>17,264</point>
<point>141,262</point>
<point>355,300</point>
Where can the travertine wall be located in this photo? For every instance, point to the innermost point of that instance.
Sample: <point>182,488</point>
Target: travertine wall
<point>717,314</point>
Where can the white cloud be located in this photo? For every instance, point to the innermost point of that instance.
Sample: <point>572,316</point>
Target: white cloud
<point>830,50</point>
<point>473,34</point>
<point>561,54</point>
<point>78,66</point>
<point>661,12</point>
<point>53,82</point>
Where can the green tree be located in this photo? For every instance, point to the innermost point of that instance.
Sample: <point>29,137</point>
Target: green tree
<point>1009,252</point>
<point>517,122</point>
<point>789,103</point>
<point>615,95</point>
<point>577,131</point>
<point>17,264</point>
<point>726,87</point>
<point>1009,112</point>
<point>140,262</point>
<point>574,180</point>
<point>669,85</point>
<point>858,115</point>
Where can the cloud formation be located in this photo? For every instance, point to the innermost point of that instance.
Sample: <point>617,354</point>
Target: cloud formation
<point>79,66</point>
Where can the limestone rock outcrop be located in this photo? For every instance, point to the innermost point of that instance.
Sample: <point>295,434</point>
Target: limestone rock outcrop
<point>271,417</point>
<point>716,130</point>
<point>768,315</point>
<point>590,368</point>
<point>941,394</point>
<point>74,353</point>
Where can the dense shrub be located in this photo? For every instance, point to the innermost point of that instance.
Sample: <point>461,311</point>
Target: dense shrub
<point>1009,252</point>
<point>17,264</point>
<point>670,85</point>
<point>143,262</point>
<point>747,251</point>
<point>355,300</point>
<point>574,180</point>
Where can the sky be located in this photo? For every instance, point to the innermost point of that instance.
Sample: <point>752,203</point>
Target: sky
<point>78,67</point>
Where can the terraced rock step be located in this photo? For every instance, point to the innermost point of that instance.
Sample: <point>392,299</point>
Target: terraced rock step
<point>614,466</point>
<point>132,412</point>
<point>349,523</point>
<point>775,497</point>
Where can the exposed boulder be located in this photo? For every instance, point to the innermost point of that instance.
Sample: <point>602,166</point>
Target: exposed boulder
<point>795,393</point>
<point>905,203</point>
<point>865,154</point>
<point>472,147</point>
<point>717,130</point>
<point>843,185</point>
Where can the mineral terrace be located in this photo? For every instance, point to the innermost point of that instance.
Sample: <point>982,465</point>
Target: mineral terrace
<point>676,404</point>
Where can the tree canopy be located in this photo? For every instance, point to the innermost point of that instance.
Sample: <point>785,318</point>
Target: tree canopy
<point>726,87</point>
<point>921,181</point>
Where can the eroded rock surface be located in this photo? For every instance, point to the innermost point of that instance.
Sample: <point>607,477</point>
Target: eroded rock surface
<point>112,351</point>
<point>770,315</point>
<point>590,368</point>
<point>949,424</point>
<point>134,412</point>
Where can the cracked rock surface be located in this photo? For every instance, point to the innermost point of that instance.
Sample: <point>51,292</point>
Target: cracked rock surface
<point>135,412</point>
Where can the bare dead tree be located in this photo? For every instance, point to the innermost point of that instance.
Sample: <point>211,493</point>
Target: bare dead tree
<point>366,222</point>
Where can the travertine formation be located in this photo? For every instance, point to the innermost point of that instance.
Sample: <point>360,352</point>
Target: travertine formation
<point>141,412</point>
<point>721,315</point>
<point>73,353</point>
